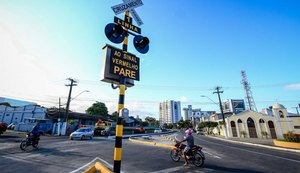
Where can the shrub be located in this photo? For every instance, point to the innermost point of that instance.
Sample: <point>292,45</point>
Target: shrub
<point>291,137</point>
<point>243,133</point>
<point>264,134</point>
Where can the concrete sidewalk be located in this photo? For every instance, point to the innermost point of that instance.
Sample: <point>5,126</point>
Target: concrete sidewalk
<point>265,143</point>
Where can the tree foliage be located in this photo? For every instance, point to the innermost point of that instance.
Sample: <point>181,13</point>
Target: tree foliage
<point>151,121</point>
<point>97,108</point>
<point>184,124</point>
<point>208,125</point>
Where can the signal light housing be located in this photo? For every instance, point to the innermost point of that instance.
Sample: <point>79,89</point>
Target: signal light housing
<point>141,44</point>
<point>115,33</point>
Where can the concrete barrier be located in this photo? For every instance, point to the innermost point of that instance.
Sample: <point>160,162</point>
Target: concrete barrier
<point>285,144</point>
<point>170,139</point>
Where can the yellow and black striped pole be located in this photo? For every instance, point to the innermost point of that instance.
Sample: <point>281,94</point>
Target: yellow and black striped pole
<point>119,127</point>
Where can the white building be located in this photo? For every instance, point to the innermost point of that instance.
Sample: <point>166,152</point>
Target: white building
<point>22,116</point>
<point>169,112</point>
<point>187,113</point>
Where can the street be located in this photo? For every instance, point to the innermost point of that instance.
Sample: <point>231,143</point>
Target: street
<point>59,154</point>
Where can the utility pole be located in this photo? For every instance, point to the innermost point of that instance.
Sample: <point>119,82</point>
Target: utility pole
<point>218,91</point>
<point>296,110</point>
<point>73,83</point>
<point>59,104</point>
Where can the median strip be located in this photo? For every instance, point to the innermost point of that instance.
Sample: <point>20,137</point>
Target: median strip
<point>152,143</point>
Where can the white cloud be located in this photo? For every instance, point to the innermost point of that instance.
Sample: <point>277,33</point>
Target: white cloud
<point>292,86</point>
<point>183,99</point>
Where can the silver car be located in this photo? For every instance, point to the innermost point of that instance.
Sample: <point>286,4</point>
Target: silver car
<point>82,133</point>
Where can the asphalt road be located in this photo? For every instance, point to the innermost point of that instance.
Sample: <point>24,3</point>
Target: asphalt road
<point>59,154</point>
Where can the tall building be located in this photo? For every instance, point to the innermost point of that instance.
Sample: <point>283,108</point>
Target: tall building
<point>187,113</point>
<point>169,112</point>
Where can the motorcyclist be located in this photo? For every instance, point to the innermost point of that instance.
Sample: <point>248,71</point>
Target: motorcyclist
<point>35,133</point>
<point>190,144</point>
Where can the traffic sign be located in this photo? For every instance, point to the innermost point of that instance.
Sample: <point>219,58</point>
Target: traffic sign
<point>126,6</point>
<point>120,63</point>
<point>135,15</point>
<point>127,25</point>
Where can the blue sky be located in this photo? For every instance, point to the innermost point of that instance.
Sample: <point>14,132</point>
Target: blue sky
<point>195,45</point>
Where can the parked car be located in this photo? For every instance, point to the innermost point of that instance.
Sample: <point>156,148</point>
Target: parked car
<point>157,130</point>
<point>109,131</point>
<point>82,133</point>
<point>139,130</point>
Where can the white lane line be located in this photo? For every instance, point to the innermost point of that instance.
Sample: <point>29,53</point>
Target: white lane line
<point>84,165</point>
<point>264,154</point>
<point>17,159</point>
<point>212,155</point>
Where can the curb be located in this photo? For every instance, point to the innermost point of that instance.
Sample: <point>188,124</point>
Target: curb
<point>168,138</point>
<point>293,145</point>
<point>152,143</point>
<point>259,145</point>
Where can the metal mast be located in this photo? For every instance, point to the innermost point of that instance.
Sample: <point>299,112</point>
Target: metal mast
<point>248,94</point>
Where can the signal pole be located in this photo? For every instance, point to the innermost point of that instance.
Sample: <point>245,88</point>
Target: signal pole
<point>221,108</point>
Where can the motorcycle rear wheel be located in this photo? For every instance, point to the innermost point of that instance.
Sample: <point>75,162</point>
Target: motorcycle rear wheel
<point>198,160</point>
<point>175,155</point>
<point>23,145</point>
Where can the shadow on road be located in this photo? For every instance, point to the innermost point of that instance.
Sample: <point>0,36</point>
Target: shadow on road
<point>228,169</point>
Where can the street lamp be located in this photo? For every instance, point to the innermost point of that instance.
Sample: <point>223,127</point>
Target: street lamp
<point>67,109</point>
<point>79,94</point>
<point>221,109</point>
<point>209,99</point>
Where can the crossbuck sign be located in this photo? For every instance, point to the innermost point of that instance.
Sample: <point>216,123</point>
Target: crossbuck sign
<point>129,5</point>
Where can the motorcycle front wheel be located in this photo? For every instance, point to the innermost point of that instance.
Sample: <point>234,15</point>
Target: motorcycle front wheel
<point>175,155</point>
<point>23,145</point>
<point>198,160</point>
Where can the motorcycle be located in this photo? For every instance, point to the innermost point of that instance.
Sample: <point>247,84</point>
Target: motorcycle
<point>29,141</point>
<point>196,156</point>
<point>3,127</point>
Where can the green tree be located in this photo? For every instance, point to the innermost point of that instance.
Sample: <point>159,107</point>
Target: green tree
<point>184,124</point>
<point>97,108</point>
<point>208,125</point>
<point>114,116</point>
<point>144,123</point>
<point>151,121</point>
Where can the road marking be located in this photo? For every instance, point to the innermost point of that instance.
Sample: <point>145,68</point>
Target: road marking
<point>17,159</point>
<point>86,166</point>
<point>264,154</point>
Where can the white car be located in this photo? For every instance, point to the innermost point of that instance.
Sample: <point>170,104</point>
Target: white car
<point>157,130</point>
<point>82,133</point>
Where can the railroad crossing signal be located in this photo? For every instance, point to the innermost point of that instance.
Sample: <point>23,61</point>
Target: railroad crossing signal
<point>123,64</point>
<point>116,33</point>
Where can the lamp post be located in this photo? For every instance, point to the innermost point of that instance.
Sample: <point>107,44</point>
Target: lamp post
<point>221,109</point>
<point>80,94</point>
<point>68,104</point>
<point>209,99</point>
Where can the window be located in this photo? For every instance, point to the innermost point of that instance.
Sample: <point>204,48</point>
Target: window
<point>281,114</point>
<point>296,127</point>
